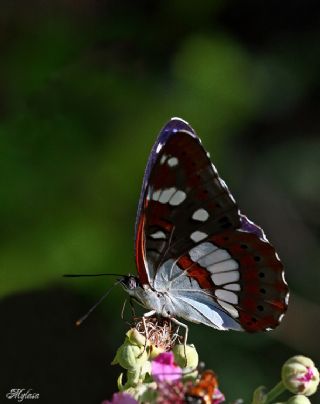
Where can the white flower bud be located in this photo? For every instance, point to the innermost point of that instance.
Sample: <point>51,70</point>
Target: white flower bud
<point>300,376</point>
<point>299,399</point>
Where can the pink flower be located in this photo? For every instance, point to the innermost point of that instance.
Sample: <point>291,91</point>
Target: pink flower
<point>218,397</point>
<point>164,369</point>
<point>121,398</point>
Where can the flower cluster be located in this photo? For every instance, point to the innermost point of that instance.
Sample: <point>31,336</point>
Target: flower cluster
<point>169,383</point>
<point>161,370</point>
<point>154,375</point>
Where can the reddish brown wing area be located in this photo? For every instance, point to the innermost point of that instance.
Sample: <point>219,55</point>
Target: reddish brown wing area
<point>263,295</point>
<point>197,272</point>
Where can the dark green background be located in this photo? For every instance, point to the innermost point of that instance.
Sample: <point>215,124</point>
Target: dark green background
<point>85,87</point>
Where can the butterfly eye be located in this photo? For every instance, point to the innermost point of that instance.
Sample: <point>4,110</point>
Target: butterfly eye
<point>132,283</point>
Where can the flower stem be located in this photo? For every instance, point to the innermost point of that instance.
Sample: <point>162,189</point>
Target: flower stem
<point>275,392</point>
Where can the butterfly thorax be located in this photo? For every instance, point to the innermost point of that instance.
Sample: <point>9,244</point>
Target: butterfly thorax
<point>147,297</point>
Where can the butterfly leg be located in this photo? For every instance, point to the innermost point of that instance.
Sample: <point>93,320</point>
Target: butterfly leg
<point>123,307</point>
<point>185,339</point>
<point>148,314</point>
<point>133,312</point>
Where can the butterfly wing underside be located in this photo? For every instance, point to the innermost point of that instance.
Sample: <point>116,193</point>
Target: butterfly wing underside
<point>187,214</point>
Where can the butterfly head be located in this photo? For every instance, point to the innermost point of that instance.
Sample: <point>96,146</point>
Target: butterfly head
<point>130,283</point>
<point>147,297</point>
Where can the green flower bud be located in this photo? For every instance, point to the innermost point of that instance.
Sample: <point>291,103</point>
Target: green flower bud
<point>135,337</point>
<point>136,376</point>
<point>300,376</point>
<point>299,399</point>
<point>130,356</point>
<point>186,356</point>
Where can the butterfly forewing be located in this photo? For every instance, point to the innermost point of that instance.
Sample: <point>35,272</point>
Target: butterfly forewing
<point>187,214</point>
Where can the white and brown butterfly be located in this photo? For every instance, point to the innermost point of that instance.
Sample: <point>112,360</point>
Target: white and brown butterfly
<point>198,257</point>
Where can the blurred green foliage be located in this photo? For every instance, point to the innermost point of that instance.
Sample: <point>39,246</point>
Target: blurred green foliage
<point>85,88</point>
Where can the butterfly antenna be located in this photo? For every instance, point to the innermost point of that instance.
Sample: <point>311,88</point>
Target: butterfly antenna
<point>80,275</point>
<point>81,319</point>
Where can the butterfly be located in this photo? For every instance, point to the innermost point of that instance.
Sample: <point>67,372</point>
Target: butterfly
<point>198,257</point>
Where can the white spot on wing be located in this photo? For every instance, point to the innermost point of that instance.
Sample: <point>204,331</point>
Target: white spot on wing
<point>286,299</point>
<point>158,234</point>
<point>166,194</point>
<point>225,277</point>
<point>200,250</point>
<point>224,266</point>
<point>230,309</point>
<point>233,286</point>
<point>198,236</point>
<point>226,296</point>
<point>177,198</point>
<point>163,159</point>
<point>214,257</point>
<point>173,161</point>
<point>159,147</point>
<point>156,194</point>
<point>201,215</point>
<point>281,317</point>
<point>171,195</point>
